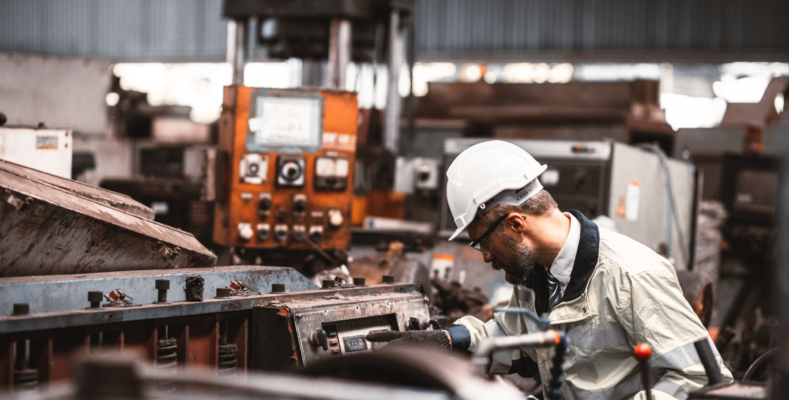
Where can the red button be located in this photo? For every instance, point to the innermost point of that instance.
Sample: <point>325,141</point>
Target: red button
<point>335,351</point>
<point>334,342</point>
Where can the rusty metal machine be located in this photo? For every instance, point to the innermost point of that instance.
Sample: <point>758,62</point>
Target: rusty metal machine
<point>229,319</point>
<point>286,171</point>
<point>53,225</point>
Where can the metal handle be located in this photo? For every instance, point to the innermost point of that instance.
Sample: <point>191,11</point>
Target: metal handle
<point>319,338</point>
<point>708,361</point>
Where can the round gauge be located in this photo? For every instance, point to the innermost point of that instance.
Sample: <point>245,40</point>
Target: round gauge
<point>291,171</point>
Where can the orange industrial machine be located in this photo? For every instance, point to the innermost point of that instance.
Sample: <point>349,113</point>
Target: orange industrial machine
<point>287,158</point>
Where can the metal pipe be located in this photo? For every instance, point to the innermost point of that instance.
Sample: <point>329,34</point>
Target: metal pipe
<point>487,347</point>
<point>236,48</point>
<point>392,116</point>
<point>708,361</point>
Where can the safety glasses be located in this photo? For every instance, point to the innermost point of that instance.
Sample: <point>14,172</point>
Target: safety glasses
<point>482,243</point>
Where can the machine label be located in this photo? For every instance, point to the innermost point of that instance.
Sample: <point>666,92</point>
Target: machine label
<point>46,142</point>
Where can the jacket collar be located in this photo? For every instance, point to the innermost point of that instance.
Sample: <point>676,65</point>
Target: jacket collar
<point>583,268</point>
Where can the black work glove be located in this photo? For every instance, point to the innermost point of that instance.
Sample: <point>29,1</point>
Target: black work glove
<point>439,340</point>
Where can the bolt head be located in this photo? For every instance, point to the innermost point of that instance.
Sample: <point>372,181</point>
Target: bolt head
<point>95,297</point>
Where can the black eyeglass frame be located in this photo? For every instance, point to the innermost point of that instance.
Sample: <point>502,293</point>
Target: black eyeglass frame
<point>475,244</point>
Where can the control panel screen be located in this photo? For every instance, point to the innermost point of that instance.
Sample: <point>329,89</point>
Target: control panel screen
<point>356,343</point>
<point>277,122</point>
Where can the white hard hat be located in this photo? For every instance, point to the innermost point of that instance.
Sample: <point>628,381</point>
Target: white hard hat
<point>487,174</point>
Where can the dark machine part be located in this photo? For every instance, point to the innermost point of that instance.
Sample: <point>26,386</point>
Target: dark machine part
<point>323,330</point>
<point>25,378</point>
<point>303,29</point>
<point>176,201</point>
<point>716,389</point>
<point>749,191</point>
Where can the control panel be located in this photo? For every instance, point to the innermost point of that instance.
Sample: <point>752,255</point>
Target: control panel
<point>286,178</point>
<point>308,331</point>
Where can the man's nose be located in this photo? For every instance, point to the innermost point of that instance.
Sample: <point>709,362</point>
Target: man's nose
<point>488,258</point>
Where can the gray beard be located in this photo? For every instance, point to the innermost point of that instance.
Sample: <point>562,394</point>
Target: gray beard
<point>521,261</point>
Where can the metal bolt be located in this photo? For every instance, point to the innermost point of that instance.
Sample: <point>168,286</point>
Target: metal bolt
<point>223,292</point>
<point>21,309</point>
<point>95,298</point>
<point>358,281</point>
<point>277,288</point>
<point>328,284</point>
<point>162,285</point>
<point>298,316</point>
<point>389,279</point>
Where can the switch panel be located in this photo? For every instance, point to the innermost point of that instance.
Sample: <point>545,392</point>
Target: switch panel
<point>285,167</point>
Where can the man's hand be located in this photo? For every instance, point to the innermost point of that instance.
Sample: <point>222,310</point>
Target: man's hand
<point>440,340</point>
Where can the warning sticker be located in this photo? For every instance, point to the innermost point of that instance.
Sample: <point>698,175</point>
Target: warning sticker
<point>46,142</point>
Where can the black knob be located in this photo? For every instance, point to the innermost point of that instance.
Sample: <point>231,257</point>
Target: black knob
<point>21,309</point>
<point>298,235</point>
<point>423,176</point>
<point>95,299</point>
<point>319,338</point>
<point>300,205</point>
<point>264,204</point>
<point>277,288</point>
<point>281,235</point>
<point>162,285</point>
<point>263,234</point>
<point>358,281</point>
<point>388,279</point>
<point>316,236</point>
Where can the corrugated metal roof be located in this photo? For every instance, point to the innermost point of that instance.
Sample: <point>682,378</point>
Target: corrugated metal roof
<point>162,30</point>
<point>602,30</point>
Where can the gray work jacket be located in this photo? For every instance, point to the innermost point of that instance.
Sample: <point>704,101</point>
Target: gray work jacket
<point>620,294</point>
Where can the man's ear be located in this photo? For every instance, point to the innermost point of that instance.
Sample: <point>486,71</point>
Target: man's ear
<point>516,222</point>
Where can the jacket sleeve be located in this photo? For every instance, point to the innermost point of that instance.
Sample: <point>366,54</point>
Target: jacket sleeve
<point>659,315</point>
<point>467,332</point>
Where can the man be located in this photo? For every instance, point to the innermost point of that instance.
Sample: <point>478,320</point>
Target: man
<point>606,291</point>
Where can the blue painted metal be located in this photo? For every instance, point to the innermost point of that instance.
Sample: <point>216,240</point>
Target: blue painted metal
<point>57,293</point>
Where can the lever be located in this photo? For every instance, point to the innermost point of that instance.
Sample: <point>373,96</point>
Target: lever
<point>707,358</point>
<point>319,338</point>
<point>642,352</point>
